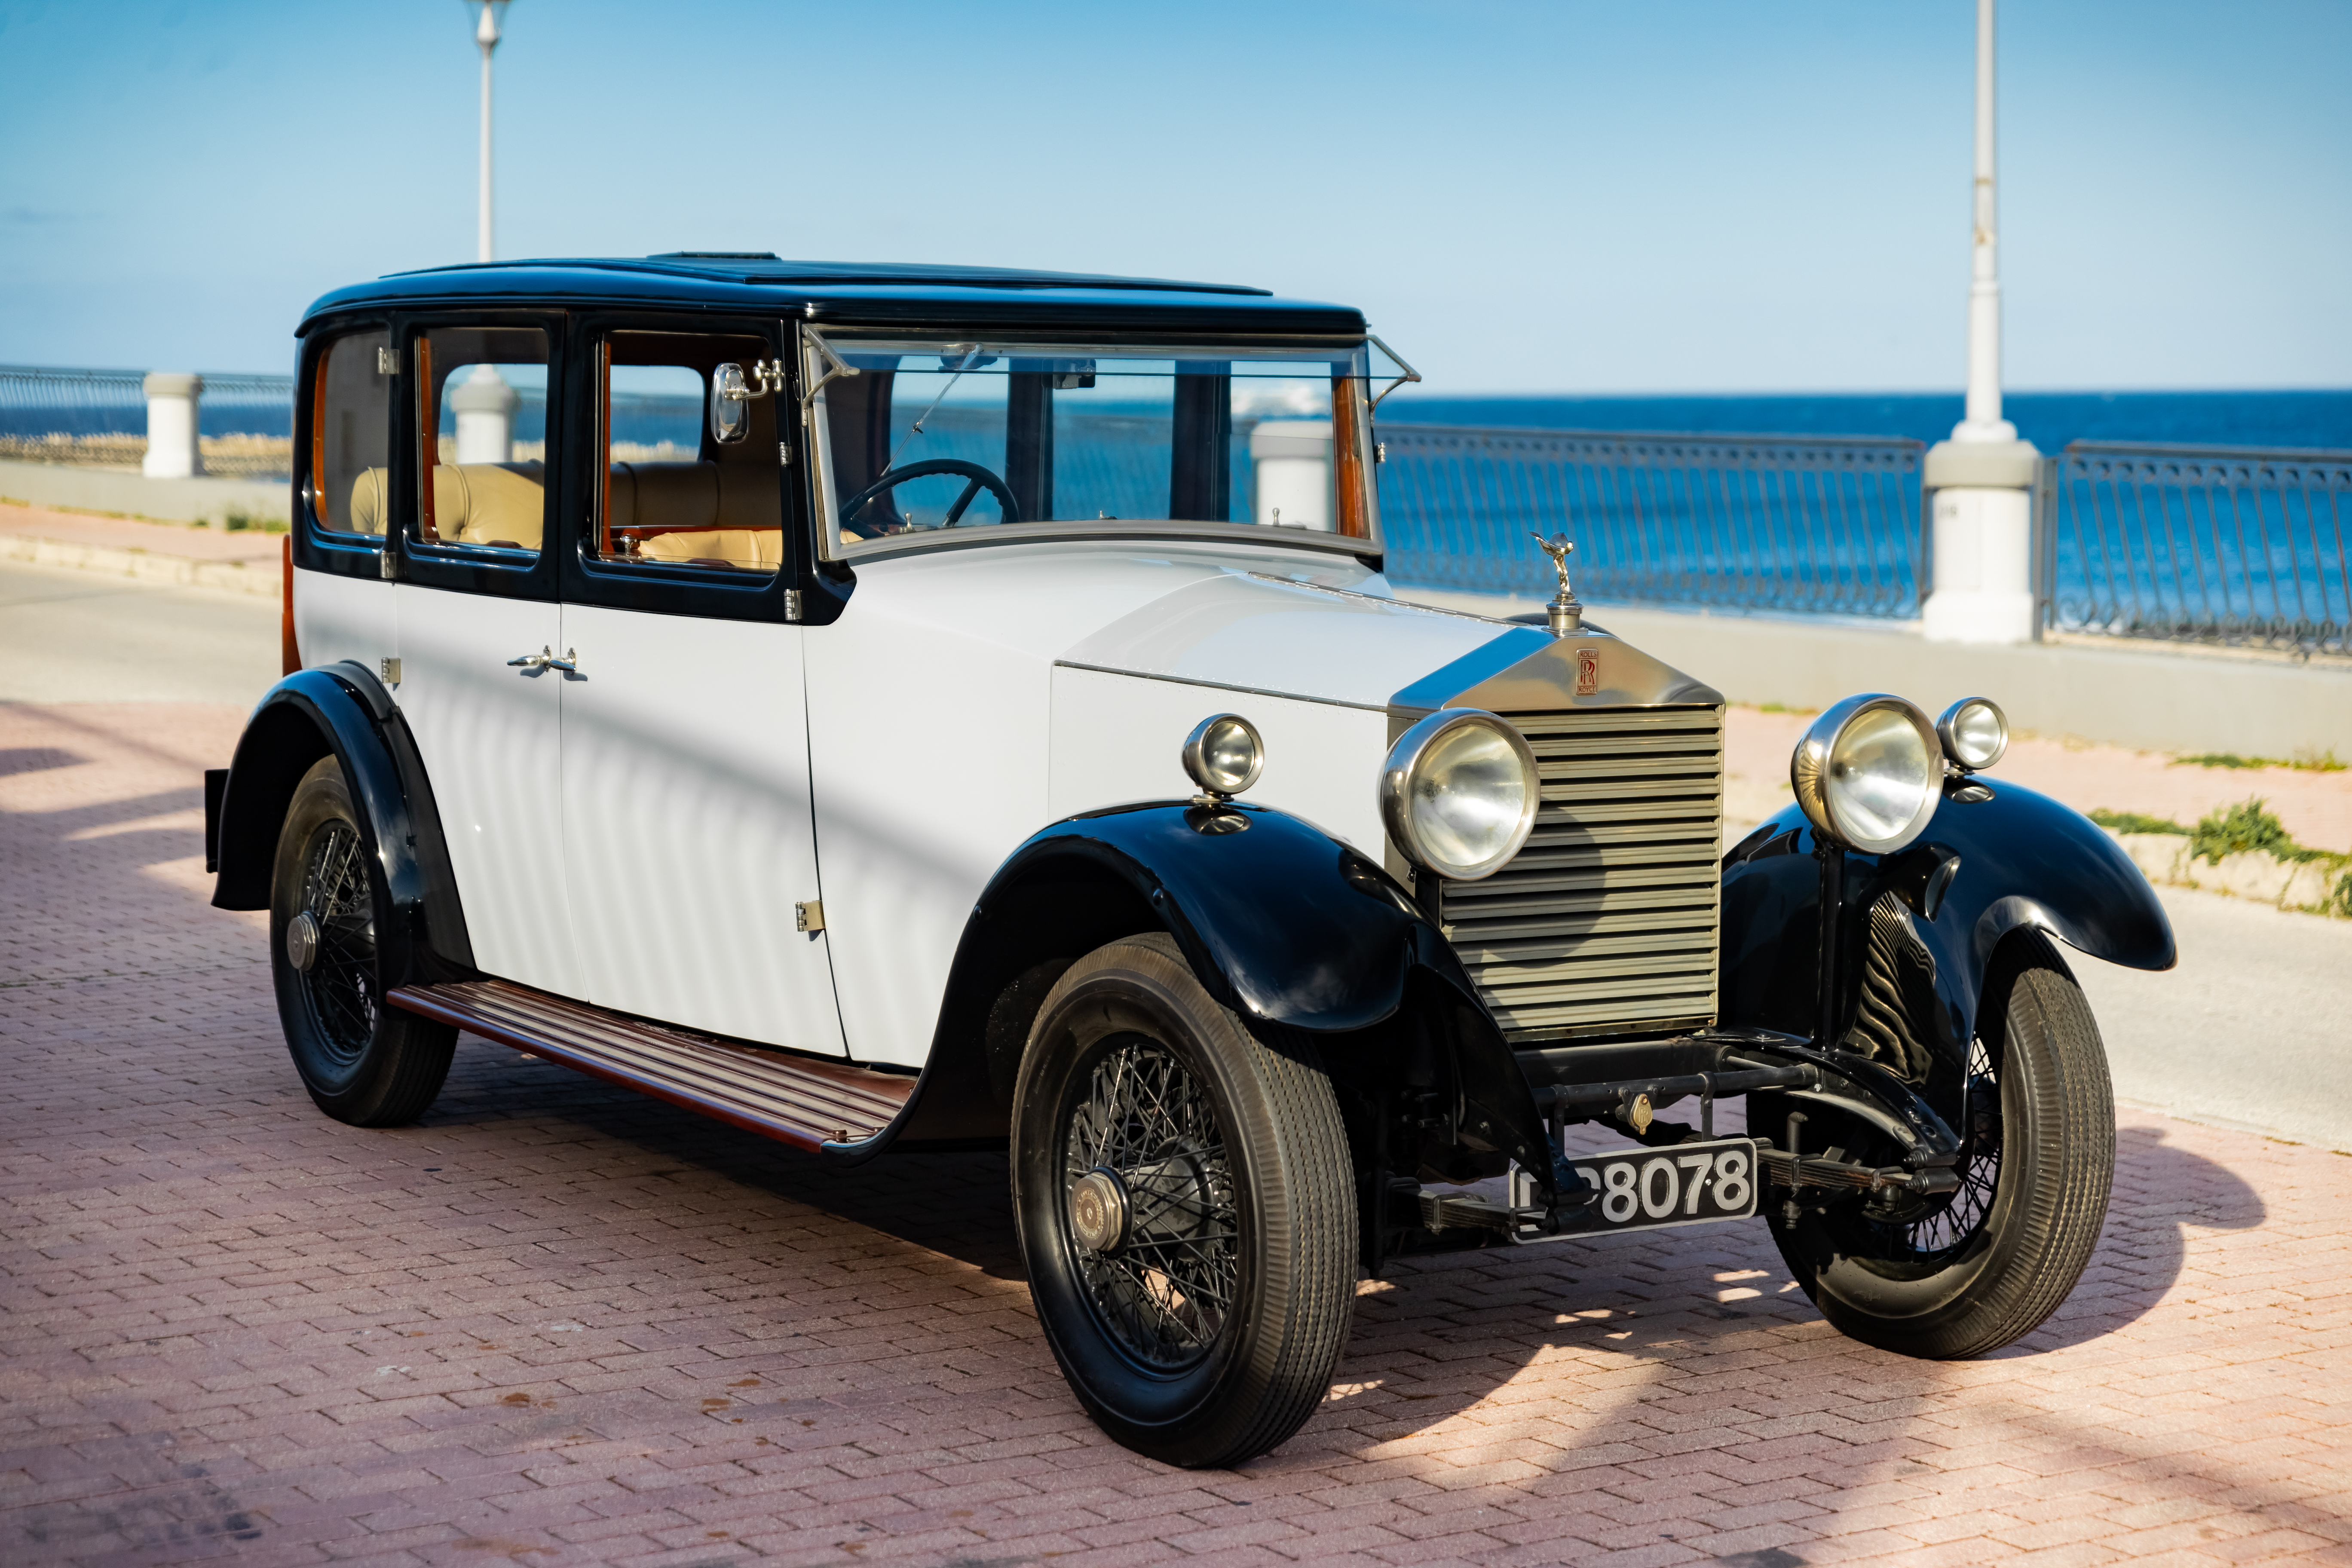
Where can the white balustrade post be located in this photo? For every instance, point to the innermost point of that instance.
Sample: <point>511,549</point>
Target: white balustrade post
<point>485,406</point>
<point>1982,478</point>
<point>173,451</point>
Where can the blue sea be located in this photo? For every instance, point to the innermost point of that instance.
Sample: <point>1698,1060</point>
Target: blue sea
<point>2048,419</point>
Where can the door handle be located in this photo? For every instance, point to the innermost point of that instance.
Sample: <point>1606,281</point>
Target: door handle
<point>540,660</point>
<point>568,664</point>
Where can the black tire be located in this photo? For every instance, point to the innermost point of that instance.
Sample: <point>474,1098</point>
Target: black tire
<point>1205,1332</point>
<point>1947,1278</point>
<point>361,1061</point>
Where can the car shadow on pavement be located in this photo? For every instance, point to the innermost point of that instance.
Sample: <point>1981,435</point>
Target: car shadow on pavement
<point>957,1205</point>
<point>2162,1194</point>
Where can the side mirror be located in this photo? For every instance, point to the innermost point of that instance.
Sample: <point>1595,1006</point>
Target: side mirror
<point>730,405</point>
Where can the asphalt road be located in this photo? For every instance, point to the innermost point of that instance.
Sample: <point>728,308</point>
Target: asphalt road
<point>68,635</point>
<point>2252,1030</point>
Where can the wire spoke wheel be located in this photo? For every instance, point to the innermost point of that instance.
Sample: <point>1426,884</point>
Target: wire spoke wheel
<point>1186,1208</point>
<point>1969,1271</point>
<point>361,1061</point>
<point>1933,1232</point>
<point>340,984</point>
<point>1167,1291</point>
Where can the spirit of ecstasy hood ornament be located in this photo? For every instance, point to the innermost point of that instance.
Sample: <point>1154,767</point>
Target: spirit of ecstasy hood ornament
<point>1567,610</point>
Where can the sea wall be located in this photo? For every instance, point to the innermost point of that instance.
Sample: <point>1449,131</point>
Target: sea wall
<point>126,492</point>
<point>2168,697</point>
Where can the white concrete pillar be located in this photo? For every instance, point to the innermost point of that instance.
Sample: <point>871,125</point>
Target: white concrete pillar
<point>485,406</point>
<point>1291,460</point>
<point>1983,549</point>
<point>173,451</point>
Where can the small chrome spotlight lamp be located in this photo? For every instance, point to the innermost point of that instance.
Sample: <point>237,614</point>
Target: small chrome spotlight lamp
<point>1975,734</point>
<point>1868,773</point>
<point>1223,755</point>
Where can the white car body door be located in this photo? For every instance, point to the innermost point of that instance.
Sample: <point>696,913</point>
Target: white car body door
<point>491,733</point>
<point>687,825</point>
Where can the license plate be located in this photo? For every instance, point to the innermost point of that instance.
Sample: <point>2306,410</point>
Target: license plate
<point>1649,1189</point>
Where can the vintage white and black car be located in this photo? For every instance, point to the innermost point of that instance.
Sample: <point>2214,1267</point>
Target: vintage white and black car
<point>893,708</point>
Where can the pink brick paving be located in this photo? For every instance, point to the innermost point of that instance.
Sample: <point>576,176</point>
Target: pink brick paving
<point>556,1324</point>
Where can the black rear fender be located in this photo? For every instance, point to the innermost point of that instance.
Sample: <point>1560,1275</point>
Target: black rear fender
<point>1293,930</point>
<point>343,710</point>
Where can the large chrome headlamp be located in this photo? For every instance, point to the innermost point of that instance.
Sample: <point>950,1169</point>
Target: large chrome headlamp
<point>1869,773</point>
<point>1459,793</point>
<point>1975,732</point>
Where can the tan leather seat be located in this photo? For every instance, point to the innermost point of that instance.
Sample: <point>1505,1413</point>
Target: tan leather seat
<point>473,503</point>
<point>759,547</point>
<point>490,503</point>
<point>370,502</point>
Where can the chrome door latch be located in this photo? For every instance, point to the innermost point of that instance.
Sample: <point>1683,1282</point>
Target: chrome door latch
<point>545,659</point>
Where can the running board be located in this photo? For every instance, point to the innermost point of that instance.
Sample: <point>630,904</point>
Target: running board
<point>801,1101</point>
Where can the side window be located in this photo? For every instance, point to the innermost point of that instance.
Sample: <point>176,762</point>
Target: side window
<point>351,434</point>
<point>481,420</point>
<point>669,493</point>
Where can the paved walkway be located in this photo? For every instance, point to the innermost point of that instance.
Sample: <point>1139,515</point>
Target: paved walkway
<point>558,1324</point>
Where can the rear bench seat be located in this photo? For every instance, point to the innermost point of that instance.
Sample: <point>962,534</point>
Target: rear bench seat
<point>725,514</point>
<point>473,503</point>
<point>722,514</point>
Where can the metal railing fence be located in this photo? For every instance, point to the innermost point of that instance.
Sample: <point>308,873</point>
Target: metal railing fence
<point>98,417</point>
<point>2198,544</point>
<point>1814,524</point>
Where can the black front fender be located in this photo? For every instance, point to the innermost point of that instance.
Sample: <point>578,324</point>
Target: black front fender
<point>2023,860</point>
<point>1288,927</point>
<point>343,710</point>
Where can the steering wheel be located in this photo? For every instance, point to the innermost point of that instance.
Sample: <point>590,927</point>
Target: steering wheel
<point>980,480</point>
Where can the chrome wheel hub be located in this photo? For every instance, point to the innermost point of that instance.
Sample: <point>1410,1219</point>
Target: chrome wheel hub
<point>1098,1211</point>
<point>302,941</point>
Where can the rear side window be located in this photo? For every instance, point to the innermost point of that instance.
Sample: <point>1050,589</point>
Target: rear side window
<point>481,420</point>
<point>351,434</point>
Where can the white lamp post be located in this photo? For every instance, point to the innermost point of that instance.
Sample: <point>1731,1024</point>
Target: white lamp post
<point>484,404</point>
<point>1983,476</point>
<point>486,34</point>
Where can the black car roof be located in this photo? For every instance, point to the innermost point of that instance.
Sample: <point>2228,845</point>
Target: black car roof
<point>852,292</point>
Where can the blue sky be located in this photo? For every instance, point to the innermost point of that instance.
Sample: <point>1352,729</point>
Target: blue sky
<point>1671,196</point>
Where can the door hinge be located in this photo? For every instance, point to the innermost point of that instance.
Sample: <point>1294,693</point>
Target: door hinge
<point>784,454</point>
<point>386,362</point>
<point>387,562</point>
<point>792,603</point>
<point>388,670</point>
<point>809,916</point>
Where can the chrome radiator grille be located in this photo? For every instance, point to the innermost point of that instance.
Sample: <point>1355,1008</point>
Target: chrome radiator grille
<point>1607,921</point>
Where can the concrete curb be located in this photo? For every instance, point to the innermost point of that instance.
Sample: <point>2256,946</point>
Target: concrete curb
<point>2308,887</point>
<point>167,571</point>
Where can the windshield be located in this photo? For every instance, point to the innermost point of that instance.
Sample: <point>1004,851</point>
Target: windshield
<point>939,433</point>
